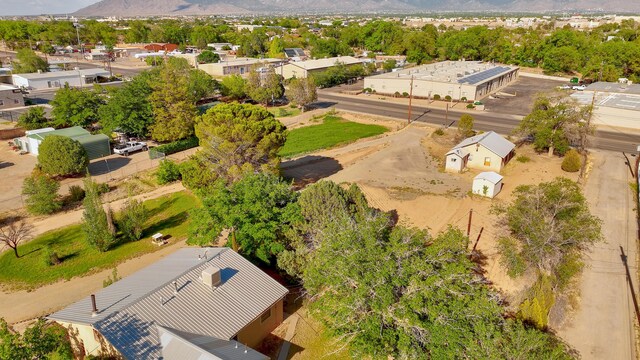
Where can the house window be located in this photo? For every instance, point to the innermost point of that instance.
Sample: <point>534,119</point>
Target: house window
<point>265,316</point>
<point>1,102</point>
<point>453,159</point>
<point>487,161</point>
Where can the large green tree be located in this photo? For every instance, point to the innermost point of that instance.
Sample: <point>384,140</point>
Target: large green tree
<point>233,87</point>
<point>548,228</point>
<point>34,118</point>
<point>75,107</point>
<point>61,155</point>
<point>173,106</point>
<point>27,61</point>
<point>302,92</point>
<point>555,123</point>
<point>128,108</point>
<point>254,209</point>
<point>240,138</point>
<point>208,57</point>
<point>40,340</point>
<point>263,84</point>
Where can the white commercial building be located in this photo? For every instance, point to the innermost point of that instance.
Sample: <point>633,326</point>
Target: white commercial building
<point>57,79</point>
<point>470,80</point>
<point>615,104</point>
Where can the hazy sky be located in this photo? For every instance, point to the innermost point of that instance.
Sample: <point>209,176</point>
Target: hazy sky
<point>37,7</point>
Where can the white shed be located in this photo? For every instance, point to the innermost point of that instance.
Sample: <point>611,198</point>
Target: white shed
<point>487,184</point>
<point>456,160</point>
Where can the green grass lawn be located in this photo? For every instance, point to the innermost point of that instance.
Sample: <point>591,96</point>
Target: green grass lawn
<point>283,111</point>
<point>168,216</point>
<point>332,132</point>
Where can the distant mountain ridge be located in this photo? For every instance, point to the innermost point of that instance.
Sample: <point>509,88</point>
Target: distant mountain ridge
<point>222,7</point>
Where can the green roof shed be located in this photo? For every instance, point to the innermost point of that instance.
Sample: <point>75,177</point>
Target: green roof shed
<point>97,146</point>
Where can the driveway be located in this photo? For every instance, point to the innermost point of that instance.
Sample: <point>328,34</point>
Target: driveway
<point>603,327</point>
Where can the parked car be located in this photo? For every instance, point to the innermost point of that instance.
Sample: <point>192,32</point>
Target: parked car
<point>579,87</point>
<point>129,147</point>
<point>565,87</point>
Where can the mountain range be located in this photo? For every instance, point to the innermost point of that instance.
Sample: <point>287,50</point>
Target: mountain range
<point>223,7</point>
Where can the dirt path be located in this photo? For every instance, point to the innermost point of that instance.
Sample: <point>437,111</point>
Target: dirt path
<point>25,305</point>
<point>603,327</point>
<point>73,217</point>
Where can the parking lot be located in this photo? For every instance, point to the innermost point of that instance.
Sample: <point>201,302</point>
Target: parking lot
<point>525,90</point>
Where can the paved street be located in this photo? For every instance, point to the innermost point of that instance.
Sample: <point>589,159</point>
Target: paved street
<point>603,327</point>
<point>501,123</point>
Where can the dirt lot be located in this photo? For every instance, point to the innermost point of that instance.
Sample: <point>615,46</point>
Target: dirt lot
<point>525,90</point>
<point>401,171</point>
<point>14,168</point>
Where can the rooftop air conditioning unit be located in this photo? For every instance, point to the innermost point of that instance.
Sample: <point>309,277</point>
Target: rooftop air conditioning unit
<point>211,277</point>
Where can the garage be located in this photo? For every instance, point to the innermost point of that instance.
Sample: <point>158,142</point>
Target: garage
<point>97,146</point>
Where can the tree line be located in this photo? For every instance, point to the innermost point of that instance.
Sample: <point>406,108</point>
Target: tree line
<point>607,52</point>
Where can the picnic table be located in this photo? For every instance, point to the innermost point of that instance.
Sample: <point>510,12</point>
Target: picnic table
<point>158,239</point>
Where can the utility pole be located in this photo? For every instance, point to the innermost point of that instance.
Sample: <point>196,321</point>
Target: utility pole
<point>469,223</point>
<point>446,116</point>
<point>477,240</point>
<point>410,97</point>
<point>623,256</point>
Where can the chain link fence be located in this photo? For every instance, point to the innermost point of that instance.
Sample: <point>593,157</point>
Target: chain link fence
<point>105,170</point>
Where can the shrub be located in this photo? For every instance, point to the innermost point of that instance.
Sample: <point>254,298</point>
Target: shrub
<point>96,224</point>
<point>282,112</point>
<point>572,161</point>
<point>168,172</point>
<point>536,308</point>
<point>60,155</point>
<point>439,132</point>
<point>177,146</point>
<point>366,90</point>
<point>436,97</point>
<point>396,94</point>
<point>50,257</point>
<point>103,188</point>
<point>42,194</point>
<point>111,278</point>
<point>133,217</point>
<point>523,159</point>
<point>448,98</point>
<point>464,98</point>
<point>76,193</point>
<point>470,106</point>
<point>405,94</point>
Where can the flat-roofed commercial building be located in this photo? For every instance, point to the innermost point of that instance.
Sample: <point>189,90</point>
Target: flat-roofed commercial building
<point>470,80</point>
<point>302,69</point>
<point>614,104</point>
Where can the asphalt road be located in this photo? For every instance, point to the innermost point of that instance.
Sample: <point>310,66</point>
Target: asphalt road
<point>485,121</point>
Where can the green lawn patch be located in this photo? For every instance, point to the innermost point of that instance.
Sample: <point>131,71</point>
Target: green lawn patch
<point>169,215</point>
<point>333,131</point>
<point>284,111</point>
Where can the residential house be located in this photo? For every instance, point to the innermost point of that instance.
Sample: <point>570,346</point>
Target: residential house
<point>57,79</point>
<point>295,54</point>
<point>197,303</point>
<point>488,151</point>
<point>10,97</point>
<point>302,69</point>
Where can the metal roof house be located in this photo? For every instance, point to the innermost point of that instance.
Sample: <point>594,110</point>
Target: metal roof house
<point>487,151</point>
<point>302,69</point>
<point>97,146</point>
<point>57,79</point>
<point>197,303</point>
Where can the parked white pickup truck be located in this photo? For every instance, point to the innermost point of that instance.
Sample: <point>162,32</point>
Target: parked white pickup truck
<point>129,147</point>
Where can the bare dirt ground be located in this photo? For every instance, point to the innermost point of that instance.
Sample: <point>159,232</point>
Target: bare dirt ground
<point>14,168</point>
<point>398,172</point>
